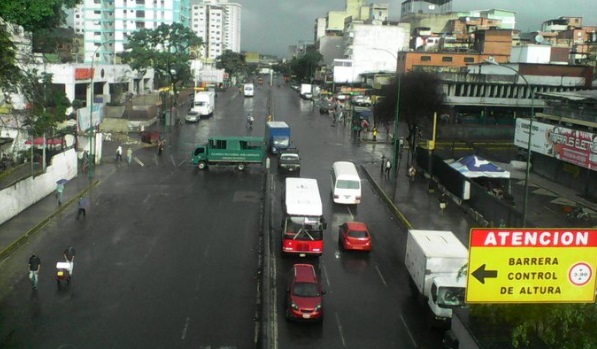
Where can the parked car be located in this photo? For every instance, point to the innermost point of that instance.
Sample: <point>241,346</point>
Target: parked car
<point>192,116</point>
<point>304,296</point>
<point>354,236</point>
<point>361,100</point>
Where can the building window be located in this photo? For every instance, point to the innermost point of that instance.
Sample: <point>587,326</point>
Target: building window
<point>469,60</point>
<point>447,59</point>
<point>425,58</point>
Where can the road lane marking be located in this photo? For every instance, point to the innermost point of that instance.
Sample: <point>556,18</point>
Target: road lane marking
<point>139,161</point>
<point>325,274</point>
<point>340,330</point>
<point>350,213</point>
<point>185,327</point>
<point>381,276</point>
<point>408,331</point>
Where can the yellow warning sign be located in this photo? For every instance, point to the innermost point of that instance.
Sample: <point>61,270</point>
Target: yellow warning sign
<point>532,266</point>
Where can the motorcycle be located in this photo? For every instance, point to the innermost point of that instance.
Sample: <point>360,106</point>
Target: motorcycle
<point>62,273</point>
<point>578,214</point>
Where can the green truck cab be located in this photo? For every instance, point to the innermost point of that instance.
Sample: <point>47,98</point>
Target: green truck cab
<point>236,151</point>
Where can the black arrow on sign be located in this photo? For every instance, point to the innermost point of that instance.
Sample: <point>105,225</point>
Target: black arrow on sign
<point>480,274</point>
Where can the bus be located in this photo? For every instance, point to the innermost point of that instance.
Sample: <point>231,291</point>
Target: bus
<point>346,183</point>
<point>303,223</point>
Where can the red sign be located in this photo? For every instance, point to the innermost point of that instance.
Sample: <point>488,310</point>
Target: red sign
<point>533,238</point>
<point>83,73</point>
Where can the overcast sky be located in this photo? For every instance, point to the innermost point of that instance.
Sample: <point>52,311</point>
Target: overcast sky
<point>270,26</point>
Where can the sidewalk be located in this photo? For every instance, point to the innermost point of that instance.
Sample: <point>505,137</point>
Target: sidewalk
<point>18,229</point>
<point>415,207</point>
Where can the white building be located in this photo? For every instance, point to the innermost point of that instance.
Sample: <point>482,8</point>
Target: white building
<point>218,23</point>
<point>370,48</point>
<point>106,25</point>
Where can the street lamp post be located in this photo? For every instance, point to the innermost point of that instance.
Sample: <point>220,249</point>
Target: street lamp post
<point>528,162</point>
<point>396,148</point>
<point>92,129</point>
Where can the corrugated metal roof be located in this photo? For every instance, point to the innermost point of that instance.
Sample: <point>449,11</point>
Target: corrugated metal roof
<point>584,95</point>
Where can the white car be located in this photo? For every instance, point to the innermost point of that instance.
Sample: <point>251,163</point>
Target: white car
<point>192,116</point>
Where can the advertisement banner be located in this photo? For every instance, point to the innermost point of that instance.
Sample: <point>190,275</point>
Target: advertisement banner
<point>563,143</point>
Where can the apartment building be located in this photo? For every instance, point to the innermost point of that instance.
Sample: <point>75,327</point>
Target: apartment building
<point>107,24</point>
<point>218,23</point>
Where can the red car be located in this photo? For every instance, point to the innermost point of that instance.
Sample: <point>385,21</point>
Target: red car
<point>304,296</point>
<point>354,236</point>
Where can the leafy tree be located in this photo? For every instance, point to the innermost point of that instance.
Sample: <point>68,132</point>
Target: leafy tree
<point>167,49</point>
<point>32,15</point>
<point>233,63</point>
<point>47,103</point>
<point>305,66</point>
<point>55,43</point>
<point>562,326</point>
<point>420,96</point>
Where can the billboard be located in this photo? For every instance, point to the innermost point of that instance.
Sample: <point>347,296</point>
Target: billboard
<point>563,143</point>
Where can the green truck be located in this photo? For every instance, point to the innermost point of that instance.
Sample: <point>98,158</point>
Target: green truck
<point>237,151</point>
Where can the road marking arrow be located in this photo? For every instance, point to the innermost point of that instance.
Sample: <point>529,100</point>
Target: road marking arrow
<point>480,274</point>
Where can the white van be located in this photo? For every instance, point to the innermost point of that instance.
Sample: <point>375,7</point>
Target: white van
<point>346,183</point>
<point>248,90</point>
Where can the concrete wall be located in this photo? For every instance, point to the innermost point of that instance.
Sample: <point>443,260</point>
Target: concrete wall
<point>25,193</point>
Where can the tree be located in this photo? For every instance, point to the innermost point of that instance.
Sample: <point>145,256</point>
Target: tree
<point>305,66</point>
<point>562,326</point>
<point>46,103</point>
<point>167,49</point>
<point>420,96</point>
<point>233,63</point>
<point>32,15</point>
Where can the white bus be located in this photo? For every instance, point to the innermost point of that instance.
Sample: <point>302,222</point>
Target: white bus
<point>303,223</point>
<point>248,90</point>
<point>346,183</point>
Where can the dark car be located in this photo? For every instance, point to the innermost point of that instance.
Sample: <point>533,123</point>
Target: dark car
<point>289,162</point>
<point>324,106</point>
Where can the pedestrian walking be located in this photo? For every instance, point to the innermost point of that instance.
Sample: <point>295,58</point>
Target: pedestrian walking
<point>34,267</point>
<point>59,193</point>
<point>129,155</point>
<point>383,163</point>
<point>412,173</point>
<point>374,134</point>
<point>82,211</point>
<point>443,201</point>
<point>388,167</point>
<point>69,257</point>
<point>119,153</point>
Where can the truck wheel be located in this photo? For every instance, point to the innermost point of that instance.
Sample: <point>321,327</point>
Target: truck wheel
<point>241,166</point>
<point>202,165</point>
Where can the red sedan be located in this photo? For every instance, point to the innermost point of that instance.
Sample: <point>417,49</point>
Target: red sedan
<point>354,236</point>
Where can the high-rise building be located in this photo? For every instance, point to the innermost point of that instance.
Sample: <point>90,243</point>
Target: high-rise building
<point>107,24</point>
<point>217,22</point>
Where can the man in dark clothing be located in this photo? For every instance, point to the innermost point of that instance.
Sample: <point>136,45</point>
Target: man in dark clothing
<point>34,266</point>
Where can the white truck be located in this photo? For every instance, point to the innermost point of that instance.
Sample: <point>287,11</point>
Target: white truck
<point>434,259</point>
<point>204,103</point>
<point>306,91</point>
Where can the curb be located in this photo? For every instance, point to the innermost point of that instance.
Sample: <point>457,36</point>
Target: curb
<point>4,253</point>
<point>389,203</point>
